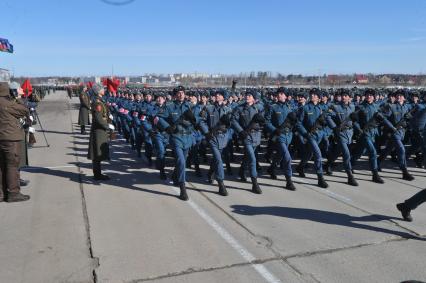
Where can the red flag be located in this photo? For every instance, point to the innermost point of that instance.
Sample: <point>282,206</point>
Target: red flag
<point>89,84</point>
<point>112,85</point>
<point>27,88</point>
<point>105,81</point>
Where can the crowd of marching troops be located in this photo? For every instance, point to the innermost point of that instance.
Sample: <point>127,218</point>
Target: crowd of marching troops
<point>318,124</point>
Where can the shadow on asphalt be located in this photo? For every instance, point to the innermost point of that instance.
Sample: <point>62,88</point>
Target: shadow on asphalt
<point>326,217</point>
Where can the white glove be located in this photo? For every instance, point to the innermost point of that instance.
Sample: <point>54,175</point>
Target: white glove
<point>31,118</point>
<point>31,130</point>
<point>111,127</point>
<point>32,109</point>
<point>111,117</point>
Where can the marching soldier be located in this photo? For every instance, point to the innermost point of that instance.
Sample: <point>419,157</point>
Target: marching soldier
<point>280,120</point>
<point>342,114</point>
<point>311,123</point>
<point>215,123</point>
<point>368,119</point>
<point>83,114</point>
<point>398,116</point>
<point>178,121</point>
<point>98,142</point>
<point>246,121</point>
<point>158,135</point>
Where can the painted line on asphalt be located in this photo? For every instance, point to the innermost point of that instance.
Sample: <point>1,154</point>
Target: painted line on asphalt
<point>52,167</point>
<point>260,268</point>
<point>325,191</point>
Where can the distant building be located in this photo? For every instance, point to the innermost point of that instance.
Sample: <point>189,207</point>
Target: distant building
<point>361,79</point>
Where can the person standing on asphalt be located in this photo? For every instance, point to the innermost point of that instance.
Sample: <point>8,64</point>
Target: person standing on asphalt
<point>11,135</point>
<point>83,114</point>
<point>98,142</point>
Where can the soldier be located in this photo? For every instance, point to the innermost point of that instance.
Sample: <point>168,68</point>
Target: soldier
<point>417,124</point>
<point>83,114</point>
<point>246,121</point>
<point>194,152</point>
<point>398,115</point>
<point>147,107</point>
<point>342,114</point>
<point>368,119</point>
<point>214,124</point>
<point>280,120</point>
<point>178,121</point>
<point>158,135</point>
<point>411,204</point>
<point>98,142</point>
<point>11,136</point>
<point>311,122</point>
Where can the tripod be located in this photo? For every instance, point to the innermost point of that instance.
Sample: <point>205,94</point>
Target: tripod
<point>41,126</point>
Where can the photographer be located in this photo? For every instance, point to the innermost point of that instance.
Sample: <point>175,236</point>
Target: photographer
<point>11,136</point>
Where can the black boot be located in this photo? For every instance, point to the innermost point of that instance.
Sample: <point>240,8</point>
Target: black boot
<point>102,177</point>
<point>15,197</point>
<point>351,179</point>
<point>242,174</point>
<point>198,171</point>
<point>300,171</point>
<point>321,182</point>
<point>327,168</point>
<point>407,176</point>
<point>222,188</point>
<point>377,178</point>
<point>255,186</point>
<point>405,211</point>
<point>183,195</point>
<point>271,171</point>
<point>289,186</point>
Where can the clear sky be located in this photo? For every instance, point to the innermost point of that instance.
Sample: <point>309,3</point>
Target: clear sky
<point>90,37</point>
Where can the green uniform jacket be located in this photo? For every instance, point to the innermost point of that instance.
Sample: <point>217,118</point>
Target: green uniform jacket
<point>98,142</point>
<point>83,114</point>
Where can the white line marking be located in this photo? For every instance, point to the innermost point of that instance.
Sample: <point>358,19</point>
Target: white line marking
<point>327,192</point>
<point>260,268</point>
<point>41,168</point>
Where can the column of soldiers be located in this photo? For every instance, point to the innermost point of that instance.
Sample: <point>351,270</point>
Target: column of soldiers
<point>293,123</point>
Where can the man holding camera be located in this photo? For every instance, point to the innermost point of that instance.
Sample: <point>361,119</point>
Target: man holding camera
<point>11,135</point>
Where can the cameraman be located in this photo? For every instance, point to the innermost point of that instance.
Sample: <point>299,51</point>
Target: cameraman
<point>11,135</point>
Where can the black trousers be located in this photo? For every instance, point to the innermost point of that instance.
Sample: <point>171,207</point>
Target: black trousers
<point>416,200</point>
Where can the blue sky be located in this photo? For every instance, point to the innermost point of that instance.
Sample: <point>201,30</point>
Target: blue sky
<point>89,37</point>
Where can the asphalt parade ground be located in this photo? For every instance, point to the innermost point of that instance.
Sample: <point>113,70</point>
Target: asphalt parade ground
<point>133,228</point>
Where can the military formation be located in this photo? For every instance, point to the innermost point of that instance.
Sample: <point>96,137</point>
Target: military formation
<point>278,125</point>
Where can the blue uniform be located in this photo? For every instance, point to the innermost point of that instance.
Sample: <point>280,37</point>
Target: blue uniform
<point>181,130</point>
<point>398,124</point>
<point>312,132</point>
<point>158,135</point>
<point>215,123</point>
<point>276,116</point>
<point>367,125</point>
<point>242,120</point>
<point>340,113</point>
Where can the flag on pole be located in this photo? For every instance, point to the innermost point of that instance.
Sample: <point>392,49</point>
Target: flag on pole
<point>27,88</point>
<point>5,45</point>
